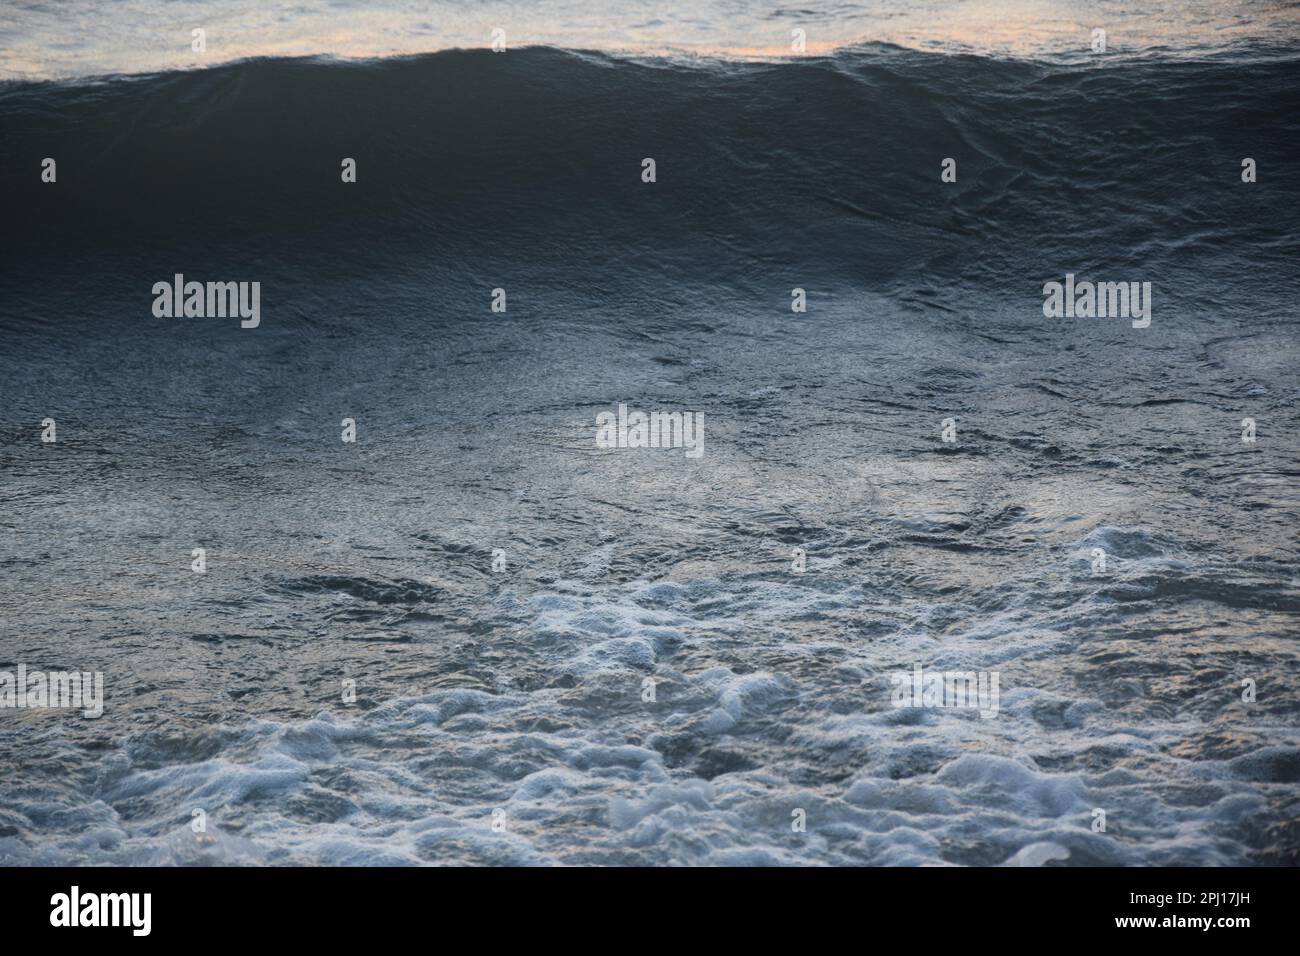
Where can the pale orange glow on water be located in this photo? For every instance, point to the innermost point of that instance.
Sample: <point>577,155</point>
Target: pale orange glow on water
<point>157,37</point>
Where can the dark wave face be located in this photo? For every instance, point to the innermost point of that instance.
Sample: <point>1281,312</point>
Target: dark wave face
<point>945,458</point>
<point>828,167</point>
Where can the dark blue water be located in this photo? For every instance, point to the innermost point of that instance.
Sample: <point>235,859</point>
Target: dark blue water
<point>522,691</point>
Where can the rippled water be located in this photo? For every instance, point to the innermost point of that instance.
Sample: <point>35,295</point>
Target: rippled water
<point>522,690</point>
<point>516,697</point>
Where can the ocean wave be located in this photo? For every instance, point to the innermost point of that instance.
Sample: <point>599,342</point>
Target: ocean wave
<point>471,164</point>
